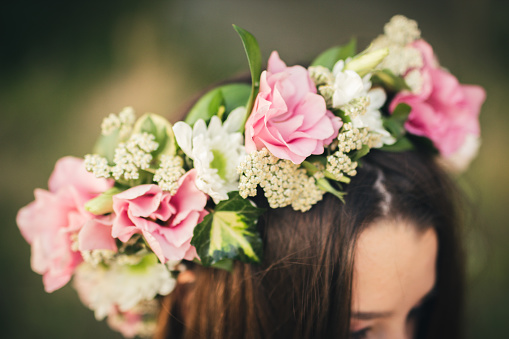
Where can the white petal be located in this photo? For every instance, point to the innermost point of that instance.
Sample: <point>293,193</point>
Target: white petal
<point>199,128</point>
<point>377,98</point>
<point>235,119</point>
<point>184,135</point>
<point>215,126</point>
<point>338,67</point>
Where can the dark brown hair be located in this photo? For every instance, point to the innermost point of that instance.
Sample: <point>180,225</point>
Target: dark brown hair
<point>303,287</point>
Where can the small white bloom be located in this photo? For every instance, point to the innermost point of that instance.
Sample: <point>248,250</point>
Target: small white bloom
<point>414,80</point>
<point>348,85</point>
<point>122,285</point>
<point>372,119</point>
<point>402,30</point>
<point>216,151</point>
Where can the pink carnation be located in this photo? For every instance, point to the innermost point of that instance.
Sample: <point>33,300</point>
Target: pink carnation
<point>53,221</point>
<point>289,118</point>
<point>167,222</point>
<point>444,110</point>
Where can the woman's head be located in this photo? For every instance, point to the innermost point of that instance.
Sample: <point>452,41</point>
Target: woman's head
<point>316,275</point>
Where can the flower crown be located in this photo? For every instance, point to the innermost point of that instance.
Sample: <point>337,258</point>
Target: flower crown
<point>151,194</point>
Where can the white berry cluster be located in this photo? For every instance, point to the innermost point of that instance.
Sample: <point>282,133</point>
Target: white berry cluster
<point>339,164</point>
<point>124,122</point>
<point>400,32</point>
<point>283,182</point>
<point>356,107</point>
<point>169,172</point>
<point>351,138</point>
<point>131,156</point>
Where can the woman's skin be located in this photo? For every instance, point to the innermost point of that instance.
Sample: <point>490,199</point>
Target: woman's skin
<point>394,271</point>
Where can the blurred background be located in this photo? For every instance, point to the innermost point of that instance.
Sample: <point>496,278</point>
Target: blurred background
<point>64,65</point>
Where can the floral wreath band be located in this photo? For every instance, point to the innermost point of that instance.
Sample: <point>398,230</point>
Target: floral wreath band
<point>151,194</point>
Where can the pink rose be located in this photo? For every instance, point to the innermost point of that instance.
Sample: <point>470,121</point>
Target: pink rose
<point>288,117</point>
<point>167,222</point>
<point>53,221</point>
<point>444,110</point>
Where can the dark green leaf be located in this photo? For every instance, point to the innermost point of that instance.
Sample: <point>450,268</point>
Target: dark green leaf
<point>254,58</point>
<point>395,123</point>
<point>334,54</point>
<point>401,112</point>
<point>360,153</point>
<point>388,80</point>
<point>229,232</point>
<point>402,144</point>
<point>423,143</point>
<point>231,96</point>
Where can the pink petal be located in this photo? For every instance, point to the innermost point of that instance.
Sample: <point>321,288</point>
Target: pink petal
<point>96,235</point>
<point>275,64</point>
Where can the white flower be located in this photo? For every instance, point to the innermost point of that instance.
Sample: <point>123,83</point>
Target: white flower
<point>348,85</point>
<point>372,119</point>
<point>216,151</point>
<point>122,284</point>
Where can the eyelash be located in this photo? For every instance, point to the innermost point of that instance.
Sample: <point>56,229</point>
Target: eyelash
<point>361,334</point>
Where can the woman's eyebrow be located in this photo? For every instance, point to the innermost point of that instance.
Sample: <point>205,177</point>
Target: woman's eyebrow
<point>374,315</point>
<point>370,315</point>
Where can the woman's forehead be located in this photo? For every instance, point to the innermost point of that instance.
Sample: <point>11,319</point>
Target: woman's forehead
<point>394,266</point>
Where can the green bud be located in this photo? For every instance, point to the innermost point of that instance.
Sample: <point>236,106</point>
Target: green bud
<point>366,62</point>
<point>103,203</point>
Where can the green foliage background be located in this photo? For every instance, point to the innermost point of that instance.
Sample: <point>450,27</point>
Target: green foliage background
<point>64,65</point>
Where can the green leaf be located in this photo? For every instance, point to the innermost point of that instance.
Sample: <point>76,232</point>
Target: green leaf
<point>334,54</point>
<point>103,203</point>
<point>231,96</point>
<point>229,232</point>
<point>423,143</point>
<point>402,144</point>
<point>325,185</point>
<point>254,58</point>
<point>225,264</point>
<point>388,80</point>
<point>360,153</point>
<point>160,128</point>
<point>105,145</point>
<point>395,123</point>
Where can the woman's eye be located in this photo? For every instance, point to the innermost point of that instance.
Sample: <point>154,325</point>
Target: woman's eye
<point>360,334</point>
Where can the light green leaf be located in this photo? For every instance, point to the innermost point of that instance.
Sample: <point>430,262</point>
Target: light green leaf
<point>103,203</point>
<point>254,58</point>
<point>229,232</point>
<point>106,144</point>
<point>364,63</point>
<point>325,185</point>
<point>334,54</point>
<point>231,96</point>
<point>160,128</point>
